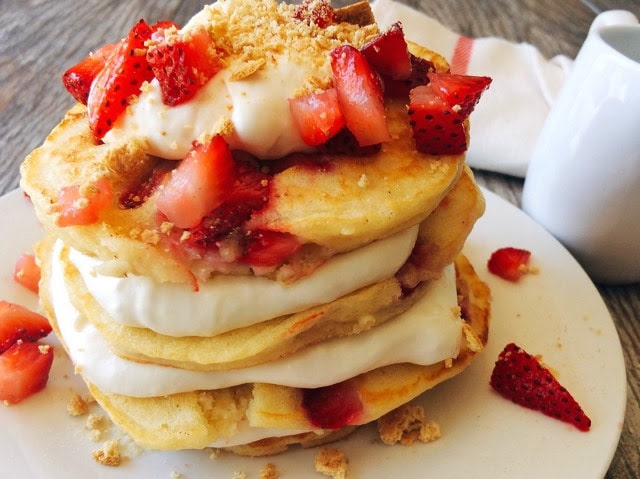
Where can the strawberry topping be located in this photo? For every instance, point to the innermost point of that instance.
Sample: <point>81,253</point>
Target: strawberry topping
<point>317,116</point>
<point>199,184</point>
<point>460,92</point>
<point>83,206</point>
<point>360,95</point>
<point>18,323</point>
<point>318,12</point>
<point>24,370</point>
<point>520,377</point>
<point>269,249</point>
<point>509,263</point>
<point>332,407</point>
<point>78,79</point>
<point>26,272</point>
<point>182,63</point>
<point>418,76</point>
<point>388,54</point>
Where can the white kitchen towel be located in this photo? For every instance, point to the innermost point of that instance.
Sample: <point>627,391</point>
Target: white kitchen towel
<point>506,123</point>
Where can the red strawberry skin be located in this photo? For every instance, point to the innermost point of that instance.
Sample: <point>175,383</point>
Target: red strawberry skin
<point>24,370</point>
<point>18,323</point>
<point>520,377</point>
<point>509,263</point>
<point>460,92</point>
<point>119,80</point>
<point>388,54</point>
<point>78,79</point>
<point>437,129</point>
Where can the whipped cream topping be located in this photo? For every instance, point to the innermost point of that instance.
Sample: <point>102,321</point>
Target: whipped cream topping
<point>227,302</point>
<point>427,333</point>
<point>257,106</point>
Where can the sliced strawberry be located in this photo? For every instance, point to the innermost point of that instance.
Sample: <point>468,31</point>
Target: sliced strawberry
<point>318,12</point>
<point>182,63</point>
<point>199,184</point>
<point>78,79</point>
<point>18,323</point>
<point>27,272</point>
<point>269,248</point>
<point>437,129</point>
<point>520,377</point>
<point>360,96</point>
<point>249,193</point>
<point>120,80</point>
<point>460,92</point>
<point>509,263</point>
<point>317,116</point>
<point>418,76</point>
<point>24,370</point>
<point>388,53</point>
<point>332,407</point>
<point>345,143</point>
<point>78,205</point>
<point>140,192</point>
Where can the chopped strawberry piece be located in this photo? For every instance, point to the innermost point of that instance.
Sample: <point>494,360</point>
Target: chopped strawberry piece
<point>18,323</point>
<point>317,116</point>
<point>509,263</point>
<point>269,248</point>
<point>344,143</point>
<point>460,92</point>
<point>199,184</point>
<point>78,79</point>
<point>418,76</point>
<point>332,407</point>
<point>520,377</point>
<point>79,205</point>
<point>437,129</point>
<point>119,80</point>
<point>318,12</point>
<point>360,96</point>
<point>249,193</point>
<point>140,192</point>
<point>24,370</point>
<point>182,63</point>
<point>388,53</point>
<point>26,272</point>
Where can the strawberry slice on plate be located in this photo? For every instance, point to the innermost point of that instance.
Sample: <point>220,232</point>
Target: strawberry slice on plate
<point>509,263</point>
<point>388,54</point>
<point>520,377</point>
<point>27,272</point>
<point>18,323</point>
<point>24,370</point>
<point>199,184</point>
<point>360,95</point>
<point>78,78</point>
<point>317,116</point>
<point>182,63</point>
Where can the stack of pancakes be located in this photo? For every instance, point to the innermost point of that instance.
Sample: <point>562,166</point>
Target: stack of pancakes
<point>389,199</point>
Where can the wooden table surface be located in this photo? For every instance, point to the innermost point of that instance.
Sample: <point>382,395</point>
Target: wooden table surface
<point>39,39</point>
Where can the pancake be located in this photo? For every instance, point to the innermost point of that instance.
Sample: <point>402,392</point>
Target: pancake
<point>355,199</point>
<point>194,420</point>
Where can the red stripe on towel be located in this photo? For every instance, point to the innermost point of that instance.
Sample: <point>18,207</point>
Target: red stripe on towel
<point>461,55</point>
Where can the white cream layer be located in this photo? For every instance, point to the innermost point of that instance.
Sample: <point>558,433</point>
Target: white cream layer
<point>427,333</point>
<point>228,302</point>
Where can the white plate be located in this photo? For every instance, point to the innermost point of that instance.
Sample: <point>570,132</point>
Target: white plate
<point>557,313</point>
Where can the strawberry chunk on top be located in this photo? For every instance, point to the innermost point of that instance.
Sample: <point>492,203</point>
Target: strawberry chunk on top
<point>460,92</point>
<point>317,116</point>
<point>360,95</point>
<point>388,54</point>
<point>18,323</point>
<point>520,377</point>
<point>182,63</point>
<point>78,78</point>
<point>199,184</point>
<point>24,370</point>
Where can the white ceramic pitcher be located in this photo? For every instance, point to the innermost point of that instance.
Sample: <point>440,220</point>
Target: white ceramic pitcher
<point>583,181</point>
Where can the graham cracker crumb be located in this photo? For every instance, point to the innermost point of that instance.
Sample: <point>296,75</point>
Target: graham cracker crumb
<point>269,471</point>
<point>109,455</point>
<point>407,424</point>
<point>332,462</point>
<point>77,406</point>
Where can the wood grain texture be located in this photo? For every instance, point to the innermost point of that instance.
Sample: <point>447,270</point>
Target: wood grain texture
<point>39,39</point>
